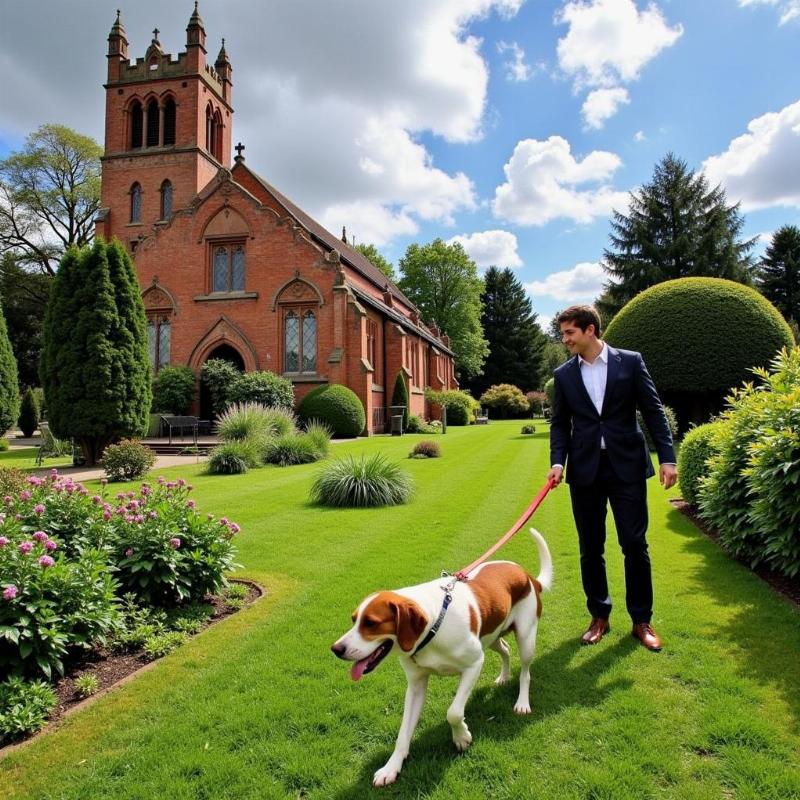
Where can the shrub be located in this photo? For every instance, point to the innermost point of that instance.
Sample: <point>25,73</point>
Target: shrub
<point>507,398</point>
<point>461,406</point>
<point>363,482</point>
<point>320,434</point>
<point>694,371</point>
<point>12,481</point>
<point>87,685</point>
<point>293,449</point>
<point>4,445</point>
<point>128,460</point>
<point>9,386</point>
<point>696,448</point>
<point>536,401</point>
<point>24,707</point>
<point>528,429</point>
<point>672,422</point>
<point>400,396</point>
<point>265,387</point>
<point>426,449</point>
<point>28,413</point>
<point>161,644</point>
<point>244,422</point>
<point>173,390</point>
<point>418,425</point>
<point>550,391</point>
<point>234,458</point>
<point>219,375</point>
<point>337,406</point>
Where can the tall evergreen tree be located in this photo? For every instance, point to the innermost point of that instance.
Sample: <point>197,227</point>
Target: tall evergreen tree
<point>676,227</point>
<point>442,281</point>
<point>516,342</point>
<point>9,385</point>
<point>94,359</point>
<point>778,276</point>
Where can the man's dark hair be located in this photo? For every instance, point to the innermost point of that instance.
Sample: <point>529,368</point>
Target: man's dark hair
<point>582,316</point>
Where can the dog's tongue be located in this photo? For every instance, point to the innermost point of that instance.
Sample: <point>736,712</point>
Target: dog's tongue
<point>358,669</point>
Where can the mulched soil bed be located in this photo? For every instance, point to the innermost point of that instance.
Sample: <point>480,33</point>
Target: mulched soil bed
<point>788,587</point>
<point>113,668</point>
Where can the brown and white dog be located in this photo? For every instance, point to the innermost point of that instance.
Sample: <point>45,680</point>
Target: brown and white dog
<point>497,597</point>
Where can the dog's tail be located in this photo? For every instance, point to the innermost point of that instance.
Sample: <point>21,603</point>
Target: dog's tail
<point>545,577</point>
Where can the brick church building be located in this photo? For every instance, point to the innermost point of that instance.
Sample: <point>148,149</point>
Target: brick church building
<point>229,266</point>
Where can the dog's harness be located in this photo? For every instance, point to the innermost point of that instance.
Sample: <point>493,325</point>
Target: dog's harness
<point>461,575</point>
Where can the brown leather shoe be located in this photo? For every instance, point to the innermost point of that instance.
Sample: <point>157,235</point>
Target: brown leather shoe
<point>643,631</point>
<point>597,629</point>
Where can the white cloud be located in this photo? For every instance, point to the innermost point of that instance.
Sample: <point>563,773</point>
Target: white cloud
<point>337,133</point>
<point>639,136</point>
<point>490,248</point>
<point>788,9</point>
<point>761,168</point>
<point>517,69</point>
<point>542,180</point>
<point>609,41</point>
<point>580,284</point>
<point>602,104</point>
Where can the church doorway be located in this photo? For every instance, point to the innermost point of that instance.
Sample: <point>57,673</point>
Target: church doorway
<point>227,353</point>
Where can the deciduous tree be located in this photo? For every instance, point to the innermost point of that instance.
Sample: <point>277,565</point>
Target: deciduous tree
<point>370,252</point>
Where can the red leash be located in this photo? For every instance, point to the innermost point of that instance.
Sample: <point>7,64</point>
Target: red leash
<point>461,575</point>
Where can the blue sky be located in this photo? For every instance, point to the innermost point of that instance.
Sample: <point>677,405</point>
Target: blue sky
<point>515,125</point>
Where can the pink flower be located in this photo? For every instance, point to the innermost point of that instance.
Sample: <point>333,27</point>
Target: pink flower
<point>46,561</point>
<point>25,495</point>
<point>189,487</point>
<point>129,552</point>
<point>54,472</point>
<point>172,484</point>
<point>34,481</point>
<point>3,542</point>
<point>38,508</point>
<point>209,516</point>
<point>120,511</point>
<point>190,504</point>
<point>161,480</point>
<point>104,481</point>
<point>96,499</point>
<point>10,592</point>
<point>50,545</point>
<point>133,505</point>
<point>25,548</point>
<point>129,518</point>
<point>145,490</point>
<point>153,514</point>
<point>131,495</point>
<point>223,521</point>
<point>139,518</point>
<point>40,536</point>
<point>8,499</point>
<point>234,528</point>
<point>18,517</point>
<point>120,496</point>
<point>181,482</point>
<point>174,542</point>
<point>107,515</point>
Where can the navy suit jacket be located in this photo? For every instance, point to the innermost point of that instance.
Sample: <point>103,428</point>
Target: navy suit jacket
<point>576,427</point>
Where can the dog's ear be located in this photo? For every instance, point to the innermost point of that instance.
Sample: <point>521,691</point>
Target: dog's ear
<point>411,621</point>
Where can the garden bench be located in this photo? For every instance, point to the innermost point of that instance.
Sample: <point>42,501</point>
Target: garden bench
<point>482,418</point>
<point>50,446</point>
<point>180,424</point>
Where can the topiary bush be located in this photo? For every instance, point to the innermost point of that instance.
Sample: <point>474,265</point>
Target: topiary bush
<point>9,386</point>
<point>234,458</point>
<point>700,337</point>
<point>400,396</point>
<point>461,406</point>
<point>28,413</point>
<point>425,449</point>
<point>506,397</point>
<point>128,460</point>
<point>672,422</point>
<point>337,406</point>
<point>695,450</point>
<point>173,390</point>
<point>262,387</point>
<point>361,483</point>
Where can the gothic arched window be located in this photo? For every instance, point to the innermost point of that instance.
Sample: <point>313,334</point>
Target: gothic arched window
<point>136,203</point>
<point>137,125</point>
<point>228,268</point>
<point>166,200</point>
<point>300,340</point>
<point>159,332</point>
<point>153,121</point>
<point>170,112</point>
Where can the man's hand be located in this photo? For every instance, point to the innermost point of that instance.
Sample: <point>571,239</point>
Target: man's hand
<point>668,475</point>
<point>555,474</point>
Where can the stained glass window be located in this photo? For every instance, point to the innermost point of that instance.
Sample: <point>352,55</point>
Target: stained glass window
<point>309,342</point>
<point>237,270</point>
<point>164,329</point>
<point>136,203</point>
<point>166,200</point>
<point>221,269</point>
<point>151,342</point>
<point>291,342</point>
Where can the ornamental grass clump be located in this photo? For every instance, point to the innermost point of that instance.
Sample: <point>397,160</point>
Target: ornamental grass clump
<point>425,449</point>
<point>320,434</point>
<point>235,458</point>
<point>362,482</point>
<point>527,430</point>
<point>244,422</point>
<point>285,451</point>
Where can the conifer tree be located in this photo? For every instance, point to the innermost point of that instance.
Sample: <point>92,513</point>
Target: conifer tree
<point>778,276</point>
<point>400,396</point>
<point>94,358</point>
<point>516,342</point>
<point>9,386</point>
<point>29,413</point>
<point>676,227</point>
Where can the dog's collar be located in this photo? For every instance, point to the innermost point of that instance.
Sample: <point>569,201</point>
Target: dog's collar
<point>448,597</point>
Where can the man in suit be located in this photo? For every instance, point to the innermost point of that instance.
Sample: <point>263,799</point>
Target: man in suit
<point>594,432</point>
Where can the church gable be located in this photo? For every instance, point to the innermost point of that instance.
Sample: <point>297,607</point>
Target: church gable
<point>227,222</point>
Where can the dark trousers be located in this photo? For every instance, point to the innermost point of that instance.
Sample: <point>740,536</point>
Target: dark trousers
<point>629,506</point>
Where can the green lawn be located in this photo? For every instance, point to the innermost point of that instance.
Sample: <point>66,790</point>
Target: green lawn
<point>258,707</point>
<point>25,458</point>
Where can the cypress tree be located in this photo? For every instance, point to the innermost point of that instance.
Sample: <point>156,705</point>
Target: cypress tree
<point>29,413</point>
<point>779,272</point>
<point>676,227</point>
<point>516,342</point>
<point>400,396</point>
<point>95,351</point>
<point>9,385</point>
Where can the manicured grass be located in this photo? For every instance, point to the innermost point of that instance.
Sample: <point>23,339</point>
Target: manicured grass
<point>25,458</point>
<point>258,707</point>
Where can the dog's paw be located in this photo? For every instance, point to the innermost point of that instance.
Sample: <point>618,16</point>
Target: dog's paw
<point>462,738</point>
<point>502,679</point>
<point>385,775</point>
<point>522,707</point>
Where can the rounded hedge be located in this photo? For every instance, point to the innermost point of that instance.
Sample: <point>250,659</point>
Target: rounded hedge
<point>700,334</point>
<point>336,406</point>
<point>173,390</point>
<point>696,448</point>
